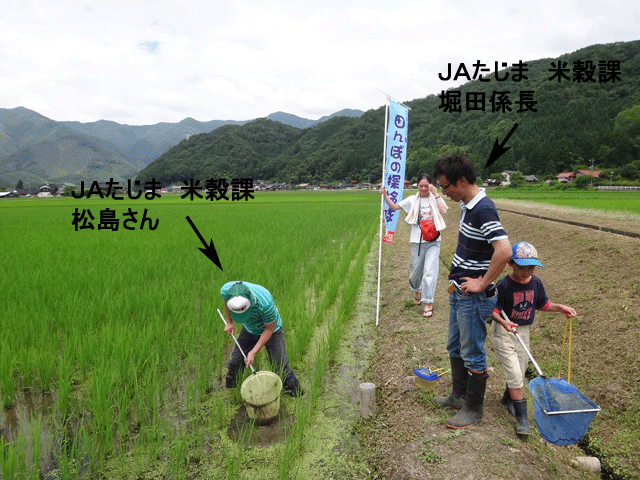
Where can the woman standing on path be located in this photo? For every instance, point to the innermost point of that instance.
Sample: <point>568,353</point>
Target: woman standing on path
<point>426,208</point>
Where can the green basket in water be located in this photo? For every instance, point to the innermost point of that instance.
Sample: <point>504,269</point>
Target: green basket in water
<point>261,394</point>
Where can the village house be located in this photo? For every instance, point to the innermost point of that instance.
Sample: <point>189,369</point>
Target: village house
<point>48,190</point>
<point>507,176</point>
<point>10,194</point>
<point>568,177</point>
<point>593,173</point>
<point>28,192</point>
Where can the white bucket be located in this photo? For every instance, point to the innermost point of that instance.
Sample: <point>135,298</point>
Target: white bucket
<point>261,394</point>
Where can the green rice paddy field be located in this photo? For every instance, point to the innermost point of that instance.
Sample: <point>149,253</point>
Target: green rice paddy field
<point>112,354</point>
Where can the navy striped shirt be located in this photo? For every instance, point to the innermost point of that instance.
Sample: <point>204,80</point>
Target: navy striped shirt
<point>479,226</point>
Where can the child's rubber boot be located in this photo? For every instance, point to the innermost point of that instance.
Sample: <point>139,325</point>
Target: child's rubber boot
<point>507,402</point>
<point>520,406</point>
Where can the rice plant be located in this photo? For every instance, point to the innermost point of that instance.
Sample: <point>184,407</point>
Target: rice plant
<point>121,326</point>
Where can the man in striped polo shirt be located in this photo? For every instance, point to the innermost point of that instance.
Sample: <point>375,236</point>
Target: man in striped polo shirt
<point>482,253</point>
<point>253,306</point>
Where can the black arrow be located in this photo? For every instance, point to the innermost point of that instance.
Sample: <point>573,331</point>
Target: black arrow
<point>499,149</point>
<point>208,250</point>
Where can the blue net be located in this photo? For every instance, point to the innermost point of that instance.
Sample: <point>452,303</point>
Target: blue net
<point>552,395</point>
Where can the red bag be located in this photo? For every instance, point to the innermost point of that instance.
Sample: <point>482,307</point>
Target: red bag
<point>428,229</point>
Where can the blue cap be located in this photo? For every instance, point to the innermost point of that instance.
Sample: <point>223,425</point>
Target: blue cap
<point>525,255</point>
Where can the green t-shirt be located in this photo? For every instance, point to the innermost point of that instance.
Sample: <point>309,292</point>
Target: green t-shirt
<point>263,309</point>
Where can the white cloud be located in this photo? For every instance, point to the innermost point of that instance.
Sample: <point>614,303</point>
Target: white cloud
<point>178,101</point>
<point>141,62</point>
<point>226,89</point>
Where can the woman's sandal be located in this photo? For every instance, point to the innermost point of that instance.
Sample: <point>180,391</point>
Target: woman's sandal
<point>427,313</point>
<point>416,299</point>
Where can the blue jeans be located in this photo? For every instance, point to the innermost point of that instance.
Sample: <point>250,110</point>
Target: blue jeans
<point>423,269</point>
<point>467,328</point>
<point>276,352</point>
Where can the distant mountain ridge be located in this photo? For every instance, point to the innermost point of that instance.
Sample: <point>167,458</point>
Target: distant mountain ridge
<point>298,122</point>
<point>37,149</point>
<point>142,144</point>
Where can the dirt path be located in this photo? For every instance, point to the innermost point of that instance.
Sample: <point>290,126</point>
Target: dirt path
<point>592,271</point>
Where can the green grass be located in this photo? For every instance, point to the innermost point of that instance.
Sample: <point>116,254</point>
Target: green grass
<point>121,326</point>
<point>623,201</point>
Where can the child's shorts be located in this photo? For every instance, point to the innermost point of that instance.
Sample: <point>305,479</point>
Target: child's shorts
<point>513,358</point>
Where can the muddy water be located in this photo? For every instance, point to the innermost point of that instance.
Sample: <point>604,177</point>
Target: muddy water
<point>19,424</point>
<point>246,432</point>
<point>26,408</point>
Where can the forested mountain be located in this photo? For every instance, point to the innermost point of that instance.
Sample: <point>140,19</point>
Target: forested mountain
<point>591,113</point>
<point>141,144</point>
<point>236,149</point>
<point>576,120</point>
<point>37,149</point>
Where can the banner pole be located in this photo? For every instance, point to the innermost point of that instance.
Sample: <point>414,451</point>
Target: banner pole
<point>384,167</point>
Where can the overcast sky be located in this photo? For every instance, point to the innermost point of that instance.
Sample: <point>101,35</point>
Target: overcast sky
<point>144,62</point>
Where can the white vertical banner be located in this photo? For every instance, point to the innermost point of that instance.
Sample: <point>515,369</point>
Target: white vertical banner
<point>395,163</point>
<point>393,168</point>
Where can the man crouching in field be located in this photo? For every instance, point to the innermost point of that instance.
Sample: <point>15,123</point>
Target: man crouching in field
<point>253,306</point>
<point>482,253</point>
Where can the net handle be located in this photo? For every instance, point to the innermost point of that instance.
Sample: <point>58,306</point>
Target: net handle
<point>235,340</point>
<point>535,364</point>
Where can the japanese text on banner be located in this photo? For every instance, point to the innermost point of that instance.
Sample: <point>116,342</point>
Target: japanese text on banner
<point>396,156</point>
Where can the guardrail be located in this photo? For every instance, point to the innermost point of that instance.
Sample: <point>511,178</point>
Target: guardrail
<point>618,188</point>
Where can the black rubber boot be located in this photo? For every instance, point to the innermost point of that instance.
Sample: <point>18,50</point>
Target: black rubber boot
<point>230,381</point>
<point>292,387</point>
<point>472,407</point>
<point>459,375</point>
<point>507,402</point>
<point>520,406</point>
